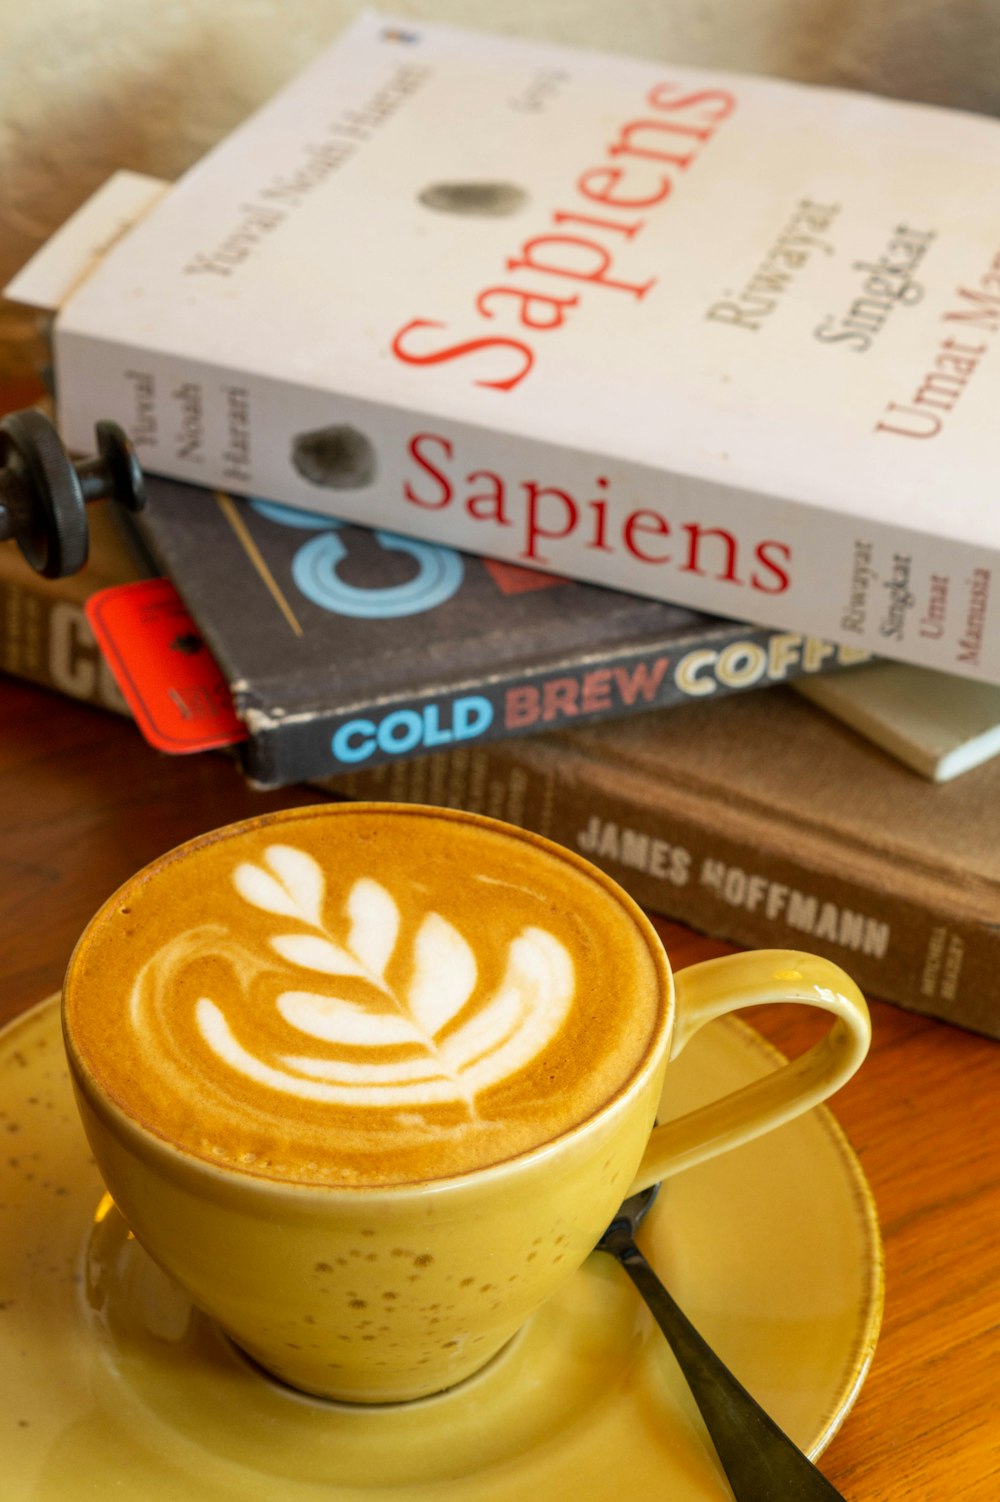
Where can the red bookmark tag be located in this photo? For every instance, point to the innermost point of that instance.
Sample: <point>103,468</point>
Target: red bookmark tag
<point>170,680</point>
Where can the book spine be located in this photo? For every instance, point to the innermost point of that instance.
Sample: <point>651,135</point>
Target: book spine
<point>45,638</point>
<point>894,590</point>
<point>676,858</point>
<point>719,659</point>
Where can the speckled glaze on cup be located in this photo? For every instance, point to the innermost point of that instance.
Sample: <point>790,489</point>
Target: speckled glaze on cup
<point>383,1292</point>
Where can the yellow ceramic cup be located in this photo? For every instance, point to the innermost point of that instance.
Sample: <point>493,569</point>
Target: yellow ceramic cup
<point>383,1294</point>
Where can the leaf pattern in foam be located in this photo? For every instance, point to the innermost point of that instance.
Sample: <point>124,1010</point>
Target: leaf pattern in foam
<point>523,1016</point>
<point>374,924</point>
<point>444,974</point>
<point>390,1085</point>
<point>513,1027</point>
<point>313,953</point>
<point>293,888</point>
<point>332,1019</point>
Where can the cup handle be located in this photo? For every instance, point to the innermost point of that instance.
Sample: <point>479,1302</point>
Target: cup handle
<point>713,988</point>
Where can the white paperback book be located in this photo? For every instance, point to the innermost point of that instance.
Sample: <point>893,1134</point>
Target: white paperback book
<point>935,723</point>
<point>723,340</point>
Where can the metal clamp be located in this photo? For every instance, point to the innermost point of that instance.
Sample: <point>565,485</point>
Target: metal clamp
<point>44,493</point>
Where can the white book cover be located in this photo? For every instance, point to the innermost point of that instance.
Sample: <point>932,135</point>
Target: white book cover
<point>718,339</point>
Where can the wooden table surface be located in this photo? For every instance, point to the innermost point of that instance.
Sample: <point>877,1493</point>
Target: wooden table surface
<point>84,802</point>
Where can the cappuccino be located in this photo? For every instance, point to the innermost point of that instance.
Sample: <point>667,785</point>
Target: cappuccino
<point>365,995</point>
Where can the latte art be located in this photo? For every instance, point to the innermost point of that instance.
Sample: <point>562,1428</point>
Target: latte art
<point>440,1061</point>
<point>364,994</point>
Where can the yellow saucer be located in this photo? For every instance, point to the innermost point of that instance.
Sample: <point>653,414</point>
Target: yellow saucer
<point>111,1385</point>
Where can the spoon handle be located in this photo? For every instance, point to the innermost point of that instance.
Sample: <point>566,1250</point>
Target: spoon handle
<point>761,1462</point>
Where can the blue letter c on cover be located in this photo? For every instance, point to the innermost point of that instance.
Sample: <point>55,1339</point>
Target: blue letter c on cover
<point>314,569</point>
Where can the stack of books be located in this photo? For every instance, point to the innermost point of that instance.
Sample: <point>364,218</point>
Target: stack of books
<point>513,432</point>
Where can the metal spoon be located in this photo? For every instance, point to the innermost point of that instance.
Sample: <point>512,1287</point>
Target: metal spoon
<point>761,1462</point>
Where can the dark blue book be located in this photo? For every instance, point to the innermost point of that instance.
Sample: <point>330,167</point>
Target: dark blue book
<point>345,647</point>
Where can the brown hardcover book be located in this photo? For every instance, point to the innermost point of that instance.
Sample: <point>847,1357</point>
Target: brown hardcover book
<point>763,821</point>
<point>45,636</point>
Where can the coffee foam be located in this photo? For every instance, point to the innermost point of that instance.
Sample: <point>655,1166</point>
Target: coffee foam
<point>360,995</point>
